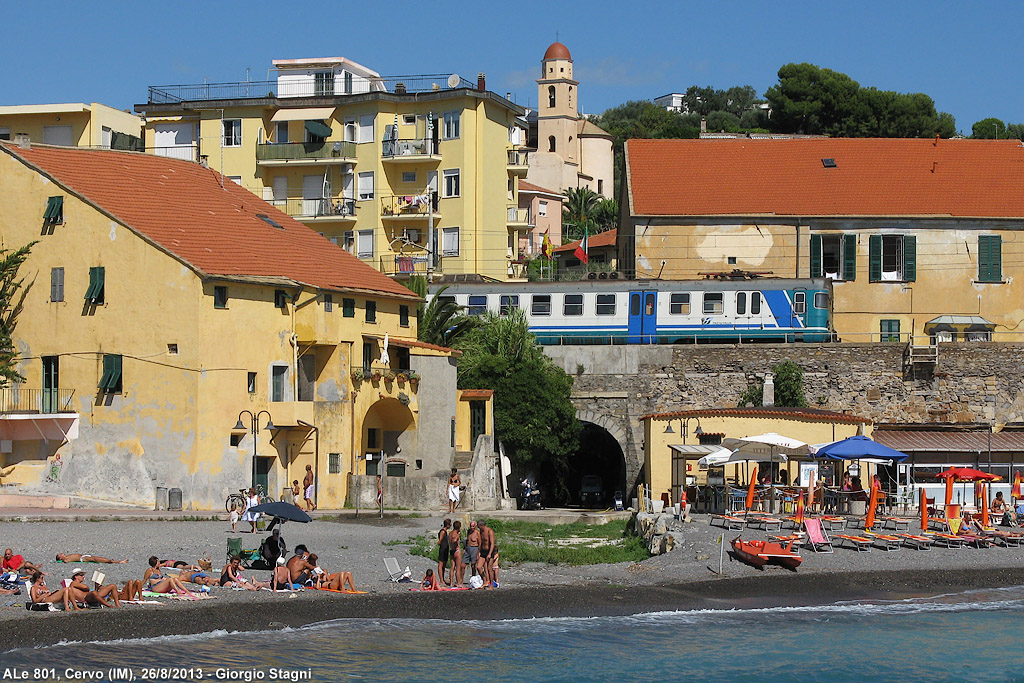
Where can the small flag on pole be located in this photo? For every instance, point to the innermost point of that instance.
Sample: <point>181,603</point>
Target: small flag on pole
<point>582,251</point>
<point>546,247</point>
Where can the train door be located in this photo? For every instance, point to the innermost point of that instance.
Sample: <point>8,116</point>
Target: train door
<point>643,317</point>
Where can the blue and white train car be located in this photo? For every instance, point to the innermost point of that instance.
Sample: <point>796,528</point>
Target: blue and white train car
<point>659,311</point>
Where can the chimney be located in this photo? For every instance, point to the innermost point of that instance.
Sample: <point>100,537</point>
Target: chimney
<point>703,125</point>
<point>22,140</point>
<point>400,88</point>
<point>481,81</point>
<point>204,160</point>
<point>768,397</point>
<point>508,96</point>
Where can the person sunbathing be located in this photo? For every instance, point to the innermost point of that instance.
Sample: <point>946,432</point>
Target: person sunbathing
<point>40,593</point>
<point>281,579</point>
<point>231,577</point>
<point>17,563</point>
<point>196,576</point>
<point>999,507</point>
<point>335,581</point>
<point>132,589</point>
<point>79,557</point>
<point>156,582</point>
<point>429,582</point>
<point>80,594</point>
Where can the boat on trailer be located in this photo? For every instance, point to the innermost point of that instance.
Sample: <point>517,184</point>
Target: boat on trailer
<point>759,553</point>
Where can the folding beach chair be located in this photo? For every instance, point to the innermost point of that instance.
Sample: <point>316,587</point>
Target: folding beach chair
<point>730,522</point>
<point>395,572</point>
<point>898,522</point>
<point>769,523</point>
<point>817,537</point>
<point>859,543</point>
<point>886,542</point>
<point>916,541</point>
<point>248,556</point>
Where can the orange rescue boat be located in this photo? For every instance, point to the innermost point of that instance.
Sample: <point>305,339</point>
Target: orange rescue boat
<point>760,553</point>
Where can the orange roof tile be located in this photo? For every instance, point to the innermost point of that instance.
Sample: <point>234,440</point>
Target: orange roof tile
<point>872,177</point>
<point>470,394</point>
<point>601,239</point>
<point>765,411</point>
<point>530,187</point>
<point>203,219</point>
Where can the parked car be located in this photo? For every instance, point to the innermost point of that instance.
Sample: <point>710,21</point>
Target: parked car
<point>591,490</point>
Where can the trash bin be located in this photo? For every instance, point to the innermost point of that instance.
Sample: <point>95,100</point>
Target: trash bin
<point>161,498</point>
<point>857,508</point>
<point>174,499</point>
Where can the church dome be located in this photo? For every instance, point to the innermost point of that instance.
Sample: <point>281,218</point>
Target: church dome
<point>557,51</point>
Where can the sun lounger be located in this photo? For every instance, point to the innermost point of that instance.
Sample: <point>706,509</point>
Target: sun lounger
<point>859,543</point>
<point>978,541</point>
<point>727,521</point>
<point>886,542</point>
<point>1009,539</point>
<point>796,539</point>
<point>830,523</point>
<point>897,523</point>
<point>769,523</point>
<point>817,537</point>
<point>948,540</point>
<point>395,571</point>
<point>916,542</point>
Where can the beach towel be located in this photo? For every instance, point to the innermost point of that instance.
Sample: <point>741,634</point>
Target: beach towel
<point>453,493</point>
<point>444,588</point>
<point>332,590</point>
<point>175,596</point>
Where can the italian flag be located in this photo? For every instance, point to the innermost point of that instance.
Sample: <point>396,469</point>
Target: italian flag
<point>581,250</point>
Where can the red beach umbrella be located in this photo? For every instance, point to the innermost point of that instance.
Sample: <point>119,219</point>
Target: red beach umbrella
<point>963,474</point>
<point>949,490</point>
<point>984,504</point>
<point>750,488</point>
<point>869,521</point>
<point>1015,491</point>
<point>924,510</point>
<point>800,508</point>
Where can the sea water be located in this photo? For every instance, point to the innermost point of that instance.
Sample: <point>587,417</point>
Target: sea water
<point>971,636</point>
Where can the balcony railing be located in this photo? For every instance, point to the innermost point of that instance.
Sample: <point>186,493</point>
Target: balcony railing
<point>17,399</point>
<point>186,152</point>
<point>399,265</point>
<point>242,90</point>
<point>340,208</point>
<point>518,157</point>
<point>294,151</point>
<point>408,147</point>
<point>517,215</point>
<point>399,206</point>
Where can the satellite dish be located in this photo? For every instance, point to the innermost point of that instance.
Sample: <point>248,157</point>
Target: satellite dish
<point>454,80</point>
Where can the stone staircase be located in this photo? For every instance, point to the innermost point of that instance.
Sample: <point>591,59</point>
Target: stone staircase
<point>462,460</point>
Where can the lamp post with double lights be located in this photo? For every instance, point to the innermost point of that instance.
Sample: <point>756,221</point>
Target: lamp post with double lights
<point>684,423</point>
<point>254,429</point>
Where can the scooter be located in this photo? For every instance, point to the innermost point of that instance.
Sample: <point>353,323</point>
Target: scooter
<point>529,498</point>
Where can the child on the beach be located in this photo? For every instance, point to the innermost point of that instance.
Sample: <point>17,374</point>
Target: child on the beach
<point>234,519</point>
<point>429,582</point>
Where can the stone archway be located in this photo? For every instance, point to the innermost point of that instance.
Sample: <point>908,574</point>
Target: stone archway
<point>617,427</point>
<point>388,428</point>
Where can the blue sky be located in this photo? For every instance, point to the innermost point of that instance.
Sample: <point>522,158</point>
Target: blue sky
<point>966,57</point>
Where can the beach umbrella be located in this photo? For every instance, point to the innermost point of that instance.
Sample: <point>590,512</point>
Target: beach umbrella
<point>984,505</point>
<point>750,488</point>
<point>963,474</point>
<point>800,508</point>
<point>869,521</point>
<point>1015,491</point>
<point>282,510</point>
<point>772,444</point>
<point>924,510</point>
<point>949,489</point>
<point>725,456</point>
<point>858,448</point>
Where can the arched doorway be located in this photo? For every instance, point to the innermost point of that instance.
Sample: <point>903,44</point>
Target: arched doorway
<point>387,438</point>
<point>599,456</point>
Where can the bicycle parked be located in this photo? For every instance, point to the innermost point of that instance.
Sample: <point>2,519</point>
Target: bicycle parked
<point>239,500</point>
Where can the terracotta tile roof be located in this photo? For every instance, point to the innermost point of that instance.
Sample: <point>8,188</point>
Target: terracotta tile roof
<point>587,127</point>
<point>601,239</point>
<point>182,208</point>
<point>530,187</point>
<point>872,177</point>
<point>911,441</point>
<point>471,394</point>
<point>811,414</point>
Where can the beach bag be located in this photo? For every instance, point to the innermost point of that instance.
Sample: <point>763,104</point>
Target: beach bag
<point>476,582</point>
<point>206,563</point>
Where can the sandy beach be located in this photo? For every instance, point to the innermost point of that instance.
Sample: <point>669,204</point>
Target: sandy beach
<point>680,580</point>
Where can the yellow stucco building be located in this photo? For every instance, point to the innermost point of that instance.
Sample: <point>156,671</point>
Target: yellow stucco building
<point>392,169</point>
<point>919,237</point>
<point>74,124</point>
<point>168,304</point>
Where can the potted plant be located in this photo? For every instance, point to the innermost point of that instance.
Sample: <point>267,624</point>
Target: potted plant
<point>414,378</point>
<point>389,375</point>
<point>375,375</point>
<point>402,377</point>
<point>357,375</point>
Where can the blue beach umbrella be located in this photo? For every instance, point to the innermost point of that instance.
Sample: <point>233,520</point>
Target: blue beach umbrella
<point>860,448</point>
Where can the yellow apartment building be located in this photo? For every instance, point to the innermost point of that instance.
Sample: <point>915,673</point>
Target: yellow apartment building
<point>73,124</point>
<point>181,332</point>
<point>411,174</point>
<point>918,236</point>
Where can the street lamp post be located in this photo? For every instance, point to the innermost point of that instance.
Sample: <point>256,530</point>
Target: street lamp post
<point>254,429</point>
<point>684,423</point>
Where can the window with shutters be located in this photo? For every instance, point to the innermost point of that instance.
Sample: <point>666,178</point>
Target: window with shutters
<point>97,286</point>
<point>348,308</point>
<point>834,256</point>
<point>990,258</point>
<point>371,311</point>
<point>892,258</point>
<point>365,133</point>
<point>54,213</point>
<point>364,244</point>
<point>449,241</point>
<point>220,297</point>
<point>328,303</point>
<point>890,330</point>
<point>110,380</point>
<point>334,462</point>
<point>56,284</point>
<point>365,188</point>
<point>278,382</point>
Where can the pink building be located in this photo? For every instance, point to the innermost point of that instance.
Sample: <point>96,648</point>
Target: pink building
<point>544,211</point>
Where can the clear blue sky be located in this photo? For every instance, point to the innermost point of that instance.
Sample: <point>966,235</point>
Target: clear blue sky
<point>966,57</point>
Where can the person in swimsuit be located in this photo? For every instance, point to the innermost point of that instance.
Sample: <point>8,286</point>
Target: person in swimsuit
<point>156,582</point>
<point>307,482</point>
<point>454,538</point>
<point>78,557</point>
<point>454,490</point>
<point>473,549</point>
<point>296,493</point>
<point>486,547</point>
<point>336,581</point>
<point>40,593</point>
<point>298,568</point>
<point>79,592</point>
<point>443,551</point>
<point>200,578</point>
<point>231,577</point>
<point>281,580</point>
<point>492,567</point>
<point>132,589</point>
<point>429,582</point>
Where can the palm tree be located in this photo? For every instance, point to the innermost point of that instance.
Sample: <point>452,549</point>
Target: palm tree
<point>579,213</point>
<point>441,320</point>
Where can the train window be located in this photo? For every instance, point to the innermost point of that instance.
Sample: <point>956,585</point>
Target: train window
<point>634,304</point>
<point>507,303</point>
<point>541,304</point>
<point>648,304</point>
<point>821,300</point>
<point>741,303</point>
<point>799,302</point>
<point>713,304</point>
<point>477,304</point>
<point>755,303</point>
<point>606,304</point>
<point>680,304</point>
<point>572,304</point>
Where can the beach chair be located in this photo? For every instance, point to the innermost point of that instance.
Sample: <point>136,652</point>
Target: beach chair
<point>948,540</point>
<point>1009,539</point>
<point>832,522</point>
<point>730,522</point>
<point>769,523</point>
<point>796,539</point>
<point>248,556</point>
<point>858,543</point>
<point>897,522</point>
<point>395,571</point>
<point>916,542</point>
<point>817,537</point>
<point>886,542</point>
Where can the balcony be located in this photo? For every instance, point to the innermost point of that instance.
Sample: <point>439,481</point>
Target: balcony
<point>185,152</point>
<point>404,265</point>
<point>388,379</point>
<point>305,153</point>
<point>15,399</point>
<point>410,151</point>
<point>518,161</point>
<point>409,207</point>
<point>517,218</point>
<point>319,210</point>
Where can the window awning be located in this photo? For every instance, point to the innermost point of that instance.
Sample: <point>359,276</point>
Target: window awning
<point>318,128</point>
<point>959,323</point>
<point>305,114</point>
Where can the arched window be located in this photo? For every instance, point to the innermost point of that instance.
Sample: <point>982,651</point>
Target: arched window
<point>551,96</point>
<point>570,96</point>
<point>551,143</point>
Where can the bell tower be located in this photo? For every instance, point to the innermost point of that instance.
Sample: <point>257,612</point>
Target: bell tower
<point>557,111</point>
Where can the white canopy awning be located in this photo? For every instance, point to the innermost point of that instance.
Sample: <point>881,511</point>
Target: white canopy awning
<point>304,114</point>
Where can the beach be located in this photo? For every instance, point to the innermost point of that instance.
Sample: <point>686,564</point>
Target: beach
<point>680,580</point>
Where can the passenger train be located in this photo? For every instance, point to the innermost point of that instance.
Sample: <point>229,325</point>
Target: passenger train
<point>659,311</point>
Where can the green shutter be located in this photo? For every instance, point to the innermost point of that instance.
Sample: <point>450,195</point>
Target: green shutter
<point>990,258</point>
<point>54,210</point>
<point>890,331</point>
<point>348,308</point>
<point>90,292</point>
<point>815,255</point>
<point>94,294</point>
<point>849,257</point>
<point>110,381</point>
<point>107,372</point>
<point>403,316</point>
<point>909,258</point>
<point>875,258</point>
